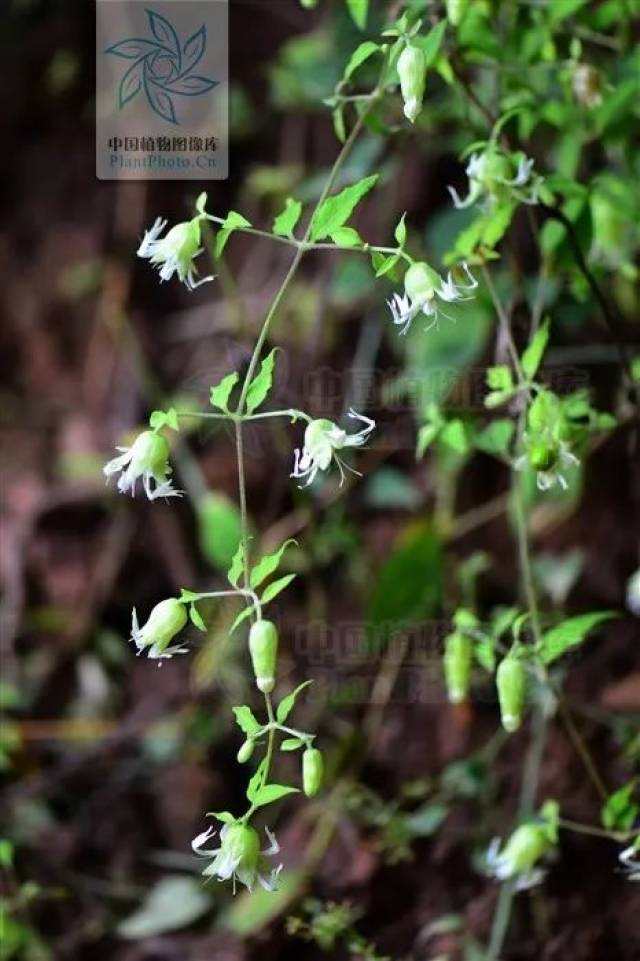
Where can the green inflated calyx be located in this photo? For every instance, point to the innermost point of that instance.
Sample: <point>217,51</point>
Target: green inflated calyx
<point>412,71</point>
<point>312,771</point>
<point>457,666</point>
<point>511,681</point>
<point>420,282</point>
<point>150,453</point>
<point>263,647</point>
<point>542,456</point>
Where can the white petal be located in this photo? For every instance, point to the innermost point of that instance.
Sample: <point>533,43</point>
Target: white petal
<point>198,843</point>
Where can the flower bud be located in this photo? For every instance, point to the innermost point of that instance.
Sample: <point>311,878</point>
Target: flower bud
<point>542,456</point>
<point>511,680</point>
<point>312,771</point>
<point>246,751</point>
<point>412,70</point>
<point>263,646</point>
<point>420,282</point>
<point>457,666</point>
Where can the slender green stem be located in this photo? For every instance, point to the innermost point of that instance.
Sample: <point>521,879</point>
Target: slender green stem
<point>619,836</point>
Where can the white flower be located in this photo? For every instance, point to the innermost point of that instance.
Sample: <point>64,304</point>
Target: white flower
<point>517,860</point>
<point>491,174</point>
<point>422,286</point>
<point>176,252</point>
<point>147,458</point>
<point>239,857</point>
<point>165,621</point>
<point>322,438</point>
<point>630,859</point>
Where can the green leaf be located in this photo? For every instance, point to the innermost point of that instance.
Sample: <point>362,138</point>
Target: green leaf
<point>237,566</point>
<point>359,55</point>
<point>224,816</point>
<point>164,418</point>
<point>485,654</point>
<point>276,587</point>
<point>254,784</point>
<point>268,564</point>
<point>291,744</point>
<point>358,10</point>
<point>495,438</point>
<point>201,202</point>
<point>431,43</point>
<point>219,395</point>
<point>186,596</point>
<point>571,633</point>
<point>454,435</point>
<point>500,378</point>
<point>426,436</point>
<point>272,792</point>
<point>408,588</point>
<point>400,233</point>
<point>287,703</point>
<point>196,618</point>
<point>338,123</point>
<point>246,612</point>
<point>261,383</point>
<point>620,811</point>
<point>219,528</point>
<point>335,211</point>
<point>232,222</point>
<point>173,903</point>
<point>532,356</point>
<point>346,237</point>
<point>246,720</point>
<point>285,223</point>
<point>424,822</point>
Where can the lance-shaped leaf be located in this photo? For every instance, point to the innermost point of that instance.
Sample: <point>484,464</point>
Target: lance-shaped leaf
<point>276,588</point>
<point>287,703</point>
<point>272,792</point>
<point>284,224</point>
<point>570,634</point>
<point>261,383</point>
<point>246,720</point>
<point>220,394</point>
<point>335,211</point>
<point>359,56</point>
<point>358,10</point>
<point>532,356</point>
<point>268,564</point>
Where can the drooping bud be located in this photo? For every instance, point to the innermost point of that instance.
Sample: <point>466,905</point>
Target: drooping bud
<point>412,70</point>
<point>312,771</point>
<point>263,646</point>
<point>457,666</point>
<point>246,751</point>
<point>511,681</point>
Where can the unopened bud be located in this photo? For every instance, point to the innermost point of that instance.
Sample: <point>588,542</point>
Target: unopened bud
<point>412,70</point>
<point>511,680</point>
<point>246,751</point>
<point>457,666</point>
<point>312,771</point>
<point>263,646</point>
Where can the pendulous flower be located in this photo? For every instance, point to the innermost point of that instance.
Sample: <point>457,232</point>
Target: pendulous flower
<point>529,844</point>
<point>239,858</point>
<point>422,286</point>
<point>147,458</point>
<point>165,621</point>
<point>412,71</point>
<point>492,175</point>
<point>322,440</point>
<point>175,253</point>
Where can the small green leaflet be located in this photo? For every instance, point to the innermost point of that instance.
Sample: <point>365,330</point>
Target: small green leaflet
<point>286,704</point>
<point>196,619</point>
<point>276,587</point>
<point>400,233</point>
<point>225,816</point>
<point>256,781</point>
<point>285,223</point>
<point>291,744</point>
<point>335,211</point>
<point>245,719</point>
<point>268,564</point>
<point>358,10</point>
<point>532,356</point>
<point>261,383</point>
<point>485,654</point>
<point>233,221</point>
<point>219,396</point>
<point>620,810</point>
<point>346,237</point>
<point>570,634</point>
<point>359,55</point>
<point>237,567</point>
<point>164,418</point>
<point>242,616</point>
<point>272,792</point>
